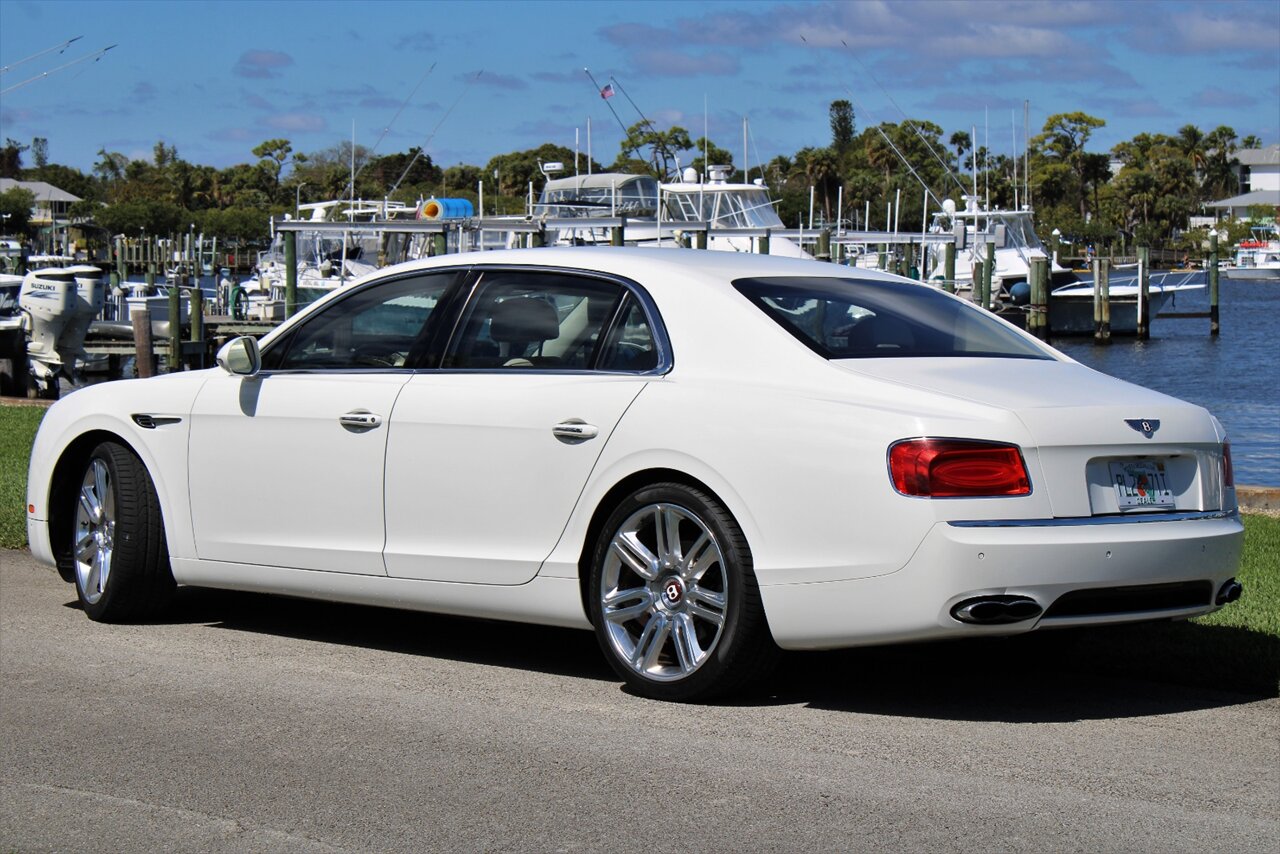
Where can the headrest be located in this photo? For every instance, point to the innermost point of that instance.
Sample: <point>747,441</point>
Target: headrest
<point>523,320</point>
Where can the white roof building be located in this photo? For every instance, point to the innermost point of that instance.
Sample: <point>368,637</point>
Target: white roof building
<point>51,202</point>
<point>1259,174</point>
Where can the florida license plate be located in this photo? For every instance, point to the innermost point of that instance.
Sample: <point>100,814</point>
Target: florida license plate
<point>1141,483</point>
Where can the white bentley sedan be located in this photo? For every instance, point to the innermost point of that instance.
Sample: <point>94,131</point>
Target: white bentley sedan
<point>703,456</point>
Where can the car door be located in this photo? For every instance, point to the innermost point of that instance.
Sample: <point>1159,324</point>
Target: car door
<point>488,455</point>
<point>287,466</point>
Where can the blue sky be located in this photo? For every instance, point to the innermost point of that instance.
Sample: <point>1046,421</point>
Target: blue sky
<point>216,78</point>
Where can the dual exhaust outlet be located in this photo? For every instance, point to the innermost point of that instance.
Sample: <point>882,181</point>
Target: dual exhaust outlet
<point>996,610</point>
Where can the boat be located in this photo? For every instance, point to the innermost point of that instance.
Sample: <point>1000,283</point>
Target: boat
<point>1071,305</point>
<point>325,260</point>
<point>1257,258</point>
<point>656,211</point>
<point>1016,243</point>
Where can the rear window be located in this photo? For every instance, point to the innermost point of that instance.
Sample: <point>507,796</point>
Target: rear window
<point>846,318</point>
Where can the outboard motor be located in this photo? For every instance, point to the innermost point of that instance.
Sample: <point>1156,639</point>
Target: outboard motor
<point>59,304</point>
<point>91,295</point>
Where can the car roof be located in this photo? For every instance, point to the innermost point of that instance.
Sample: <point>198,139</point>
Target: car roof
<point>650,264</point>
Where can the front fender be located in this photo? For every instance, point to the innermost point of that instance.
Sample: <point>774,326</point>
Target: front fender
<point>106,411</point>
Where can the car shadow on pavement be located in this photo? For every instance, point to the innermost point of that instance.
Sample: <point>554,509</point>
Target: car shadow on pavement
<point>545,649</point>
<point>1052,676</point>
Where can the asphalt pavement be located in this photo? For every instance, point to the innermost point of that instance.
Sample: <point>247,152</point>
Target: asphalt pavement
<point>247,722</point>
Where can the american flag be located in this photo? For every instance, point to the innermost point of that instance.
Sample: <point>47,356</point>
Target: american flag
<point>607,91</point>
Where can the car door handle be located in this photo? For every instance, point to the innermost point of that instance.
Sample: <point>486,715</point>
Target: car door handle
<point>575,431</point>
<point>361,419</point>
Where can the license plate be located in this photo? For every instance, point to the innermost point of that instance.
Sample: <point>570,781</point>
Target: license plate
<point>1141,483</point>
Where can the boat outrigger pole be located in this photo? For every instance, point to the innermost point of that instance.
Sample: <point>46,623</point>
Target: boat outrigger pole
<point>94,56</point>
<point>625,136</point>
<point>60,47</point>
<point>434,130</point>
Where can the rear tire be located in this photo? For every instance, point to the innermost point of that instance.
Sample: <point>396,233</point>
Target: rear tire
<point>674,599</point>
<point>118,547</point>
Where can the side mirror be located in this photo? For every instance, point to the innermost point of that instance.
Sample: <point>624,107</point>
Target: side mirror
<point>240,357</point>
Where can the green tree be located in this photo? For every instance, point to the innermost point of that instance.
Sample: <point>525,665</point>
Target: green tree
<point>664,147</point>
<point>11,159</point>
<point>709,154</point>
<point>16,204</point>
<point>507,176</point>
<point>110,166</point>
<point>841,116</point>
<point>272,156</point>
<point>1062,142</point>
<point>1220,156</point>
<point>135,217</point>
<point>461,181</point>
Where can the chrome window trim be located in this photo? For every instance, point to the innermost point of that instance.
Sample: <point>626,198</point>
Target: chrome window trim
<point>471,276</point>
<point>1134,519</point>
<point>666,360</point>
<point>345,292</point>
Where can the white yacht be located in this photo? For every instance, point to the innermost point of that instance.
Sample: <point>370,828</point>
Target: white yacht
<point>1257,258</point>
<point>1012,231</point>
<point>653,210</point>
<point>324,260</point>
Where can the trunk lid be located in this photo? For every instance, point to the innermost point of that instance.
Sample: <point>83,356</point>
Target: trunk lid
<point>1101,445</point>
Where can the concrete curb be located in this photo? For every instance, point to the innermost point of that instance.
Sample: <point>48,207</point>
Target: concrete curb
<point>1258,499</point>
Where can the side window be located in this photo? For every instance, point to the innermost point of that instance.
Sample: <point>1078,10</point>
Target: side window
<point>630,345</point>
<point>520,319</point>
<point>379,327</point>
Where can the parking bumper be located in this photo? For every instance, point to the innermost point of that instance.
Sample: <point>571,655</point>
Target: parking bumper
<point>1040,560</point>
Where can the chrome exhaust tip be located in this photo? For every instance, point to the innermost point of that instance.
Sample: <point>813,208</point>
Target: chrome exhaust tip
<point>996,610</point>
<point>1229,593</point>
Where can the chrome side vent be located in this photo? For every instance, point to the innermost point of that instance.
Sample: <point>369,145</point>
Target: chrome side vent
<point>151,422</point>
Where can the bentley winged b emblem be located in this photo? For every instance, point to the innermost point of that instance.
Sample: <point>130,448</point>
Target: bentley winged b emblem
<point>1146,426</point>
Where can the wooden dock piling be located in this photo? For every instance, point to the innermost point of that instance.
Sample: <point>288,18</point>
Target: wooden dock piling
<point>1213,283</point>
<point>1102,301</point>
<point>290,273</point>
<point>175,328</point>
<point>949,268</point>
<point>1038,310</point>
<point>1143,330</point>
<point>197,326</point>
<point>988,271</point>
<point>145,359</point>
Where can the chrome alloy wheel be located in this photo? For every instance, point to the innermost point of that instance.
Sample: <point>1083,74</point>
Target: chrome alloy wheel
<point>95,531</point>
<point>664,592</point>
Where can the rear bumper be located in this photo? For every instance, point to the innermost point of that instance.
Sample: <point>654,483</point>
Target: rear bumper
<point>1041,559</point>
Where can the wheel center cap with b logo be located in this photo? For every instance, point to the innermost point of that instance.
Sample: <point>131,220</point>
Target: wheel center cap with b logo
<point>672,592</point>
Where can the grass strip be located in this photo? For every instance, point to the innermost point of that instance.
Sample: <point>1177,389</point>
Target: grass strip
<point>17,431</point>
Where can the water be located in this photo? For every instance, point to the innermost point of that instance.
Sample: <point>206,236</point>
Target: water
<point>1236,376</point>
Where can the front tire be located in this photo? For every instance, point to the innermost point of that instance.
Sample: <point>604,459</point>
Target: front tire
<point>118,547</point>
<point>673,597</point>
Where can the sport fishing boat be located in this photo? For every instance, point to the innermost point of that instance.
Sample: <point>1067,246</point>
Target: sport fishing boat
<point>655,211</point>
<point>1257,258</point>
<point>1016,243</point>
<point>324,260</point>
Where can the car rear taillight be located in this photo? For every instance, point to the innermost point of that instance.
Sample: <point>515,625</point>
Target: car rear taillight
<point>1228,474</point>
<point>956,468</point>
